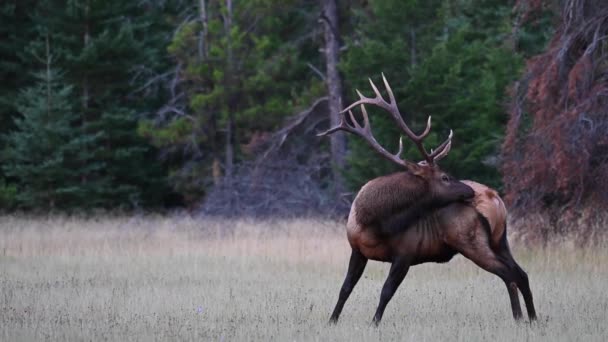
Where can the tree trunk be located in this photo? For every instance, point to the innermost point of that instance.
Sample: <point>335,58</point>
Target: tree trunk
<point>48,77</point>
<point>203,56</point>
<point>229,89</point>
<point>203,48</point>
<point>84,178</point>
<point>229,163</point>
<point>413,46</point>
<point>334,89</point>
<point>85,80</point>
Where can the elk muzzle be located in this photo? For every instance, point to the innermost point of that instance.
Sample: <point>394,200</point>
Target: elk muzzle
<point>465,191</point>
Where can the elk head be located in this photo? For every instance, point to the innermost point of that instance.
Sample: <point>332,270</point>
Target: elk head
<point>440,188</point>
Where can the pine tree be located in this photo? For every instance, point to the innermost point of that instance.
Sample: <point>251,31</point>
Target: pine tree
<point>46,154</point>
<point>15,28</point>
<point>100,45</point>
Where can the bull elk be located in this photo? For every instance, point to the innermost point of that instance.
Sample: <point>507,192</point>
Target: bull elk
<point>423,215</point>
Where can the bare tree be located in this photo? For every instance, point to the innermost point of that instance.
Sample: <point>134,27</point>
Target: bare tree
<point>330,20</point>
<point>284,177</point>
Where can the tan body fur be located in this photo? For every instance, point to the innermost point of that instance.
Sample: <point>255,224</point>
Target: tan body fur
<point>434,237</point>
<point>488,203</point>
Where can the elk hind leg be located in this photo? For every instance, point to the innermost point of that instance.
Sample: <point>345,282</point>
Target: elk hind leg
<point>522,280</point>
<point>477,249</point>
<point>356,266</point>
<point>524,286</point>
<point>396,275</point>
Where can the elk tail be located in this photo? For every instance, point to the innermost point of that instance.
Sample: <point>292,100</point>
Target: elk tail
<point>503,243</point>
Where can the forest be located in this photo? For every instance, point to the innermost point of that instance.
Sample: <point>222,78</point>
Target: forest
<point>214,105</point>
<point>165,172</point>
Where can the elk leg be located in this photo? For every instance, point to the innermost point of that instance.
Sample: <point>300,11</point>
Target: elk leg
<point>483,256</point>
<point>396,275</point>
<point>522,281</point>
<point>524,286</point>
<point>356,266</point>
<point>514,298</point>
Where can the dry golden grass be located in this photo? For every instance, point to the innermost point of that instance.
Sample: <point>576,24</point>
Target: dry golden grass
<point>168,278</point>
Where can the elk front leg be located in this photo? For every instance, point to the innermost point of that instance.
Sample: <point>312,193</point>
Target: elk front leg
<point>356,266</point>
<point>396,275</point>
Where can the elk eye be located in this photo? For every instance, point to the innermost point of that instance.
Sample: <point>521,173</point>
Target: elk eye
<point>445,178</point>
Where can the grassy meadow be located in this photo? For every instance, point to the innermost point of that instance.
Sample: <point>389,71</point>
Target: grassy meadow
<point>177,278</point>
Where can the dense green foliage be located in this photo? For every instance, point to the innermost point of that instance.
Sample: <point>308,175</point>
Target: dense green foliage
<point>240,78</point>
<point>455,67</point>
<point>126,103</point>
<point>15,30</point>
<point>74,144</point>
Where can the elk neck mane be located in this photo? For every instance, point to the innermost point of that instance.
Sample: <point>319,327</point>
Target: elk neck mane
<point>384,200</point>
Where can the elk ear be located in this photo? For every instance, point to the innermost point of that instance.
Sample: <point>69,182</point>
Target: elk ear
<point>417,169</point>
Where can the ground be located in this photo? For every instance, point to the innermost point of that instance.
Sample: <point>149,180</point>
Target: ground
<point>179,278</point>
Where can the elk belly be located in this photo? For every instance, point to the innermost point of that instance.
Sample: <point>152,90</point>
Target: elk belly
<point>423,242</point>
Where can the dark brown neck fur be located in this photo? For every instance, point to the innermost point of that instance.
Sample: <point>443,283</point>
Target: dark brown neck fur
<point>392,201</point>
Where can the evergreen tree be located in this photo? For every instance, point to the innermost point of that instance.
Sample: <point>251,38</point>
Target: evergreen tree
<point>47,152</point>
<point>15,28</point>
<point>100,45</point>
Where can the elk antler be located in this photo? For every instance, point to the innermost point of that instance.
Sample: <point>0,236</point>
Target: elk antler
<point>391,107</point>
<point>366,133</point>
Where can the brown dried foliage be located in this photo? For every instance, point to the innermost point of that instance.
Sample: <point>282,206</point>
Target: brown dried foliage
<point>555,153</point>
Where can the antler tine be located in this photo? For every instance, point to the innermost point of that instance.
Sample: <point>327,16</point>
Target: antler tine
<point>376,91</point>
<point>444,152</point>
<point>391,96</point>
<point>443,149</point>
<point>427,130</point>
<point>366,124</point>
<point>352,118</point>
<point>343,125</point>
<point>334,129</point>
<point>364,99</point>
<point>400,147</point>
